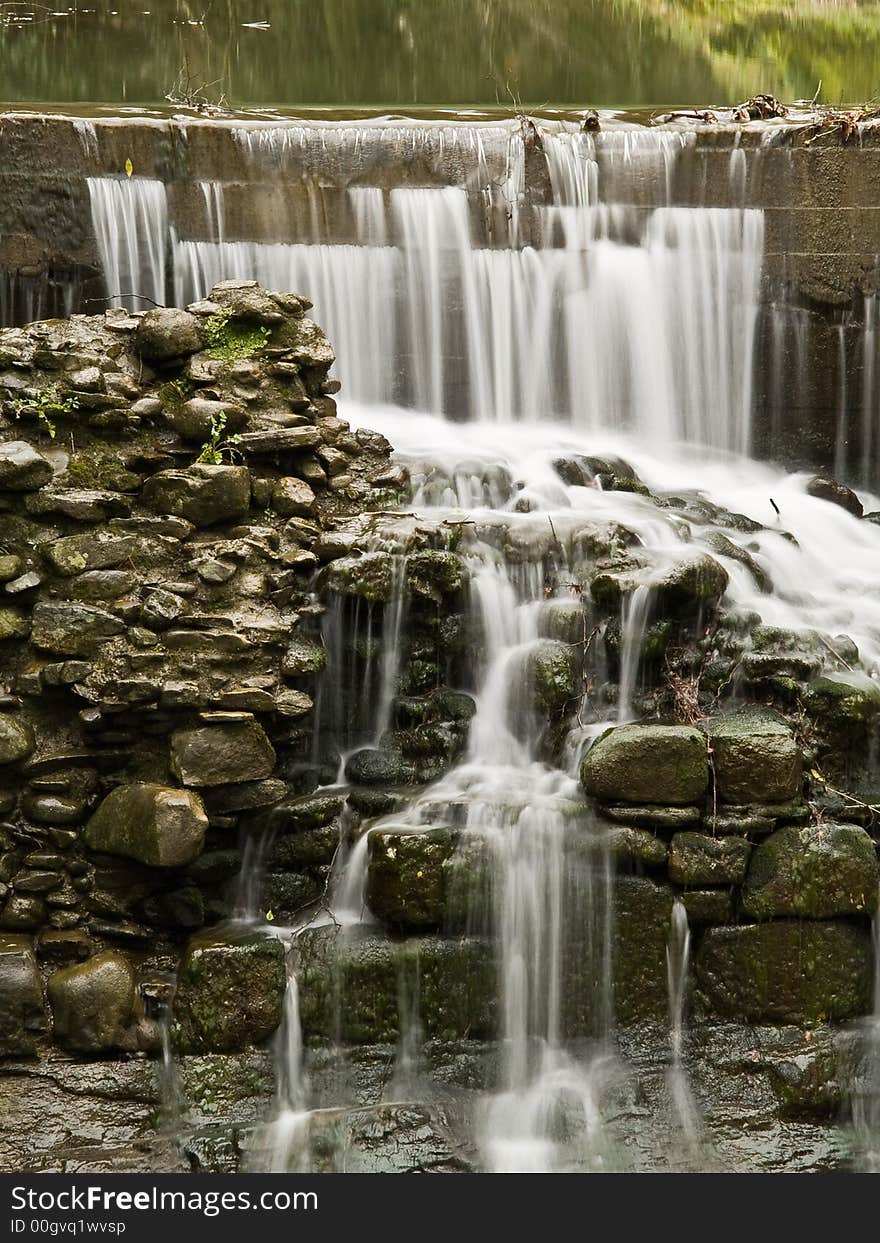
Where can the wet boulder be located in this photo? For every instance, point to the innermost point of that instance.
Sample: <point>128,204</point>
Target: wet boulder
<point>157,825</point>
<point>698,859</point>
<point>230,993</point>
<point>202,494</point>
<point>166,333</point>
<point>693,583</point>
<point>813,871</point>
<point>16,740</point>
<point>551,674</point>
<point>93,1003</point>
<point>434,575</point>
<point>369,576</point>
<point>360,988</point>
<point>230,747</point>
<point>22,467</point>
<point>22,1014</point>
<point>825,489</point>
<point>786,971</point>
<point>642,914</point>
<point>661,764</point>
<point>406,878</point>
<point>377,766</point>
<point>755,758</point>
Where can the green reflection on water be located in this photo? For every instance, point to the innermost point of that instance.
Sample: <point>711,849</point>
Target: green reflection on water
<point>399,53</point>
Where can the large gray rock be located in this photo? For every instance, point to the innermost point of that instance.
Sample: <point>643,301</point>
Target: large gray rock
<point>157,825</point>
<point>232,750</point>
<point>663,764</point>
<point>230,993</point>
<point>22,468</point>
<point>166,333</point>
<point>16,740</point>
<point>22,1014</point>
<point>93,1003</point>
<point>73,629</point>
<point>755,758</point>
<point>202,494</point>
<point>785,972</point>
<point>814,871</point>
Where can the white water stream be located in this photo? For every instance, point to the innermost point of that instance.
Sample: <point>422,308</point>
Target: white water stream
<point>630,332</point>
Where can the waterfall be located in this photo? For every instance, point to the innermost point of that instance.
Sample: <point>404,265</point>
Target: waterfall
<point>130,220</point>
<point>635,611</point>
<point>678,951</point>
<point>641,314</point>
<point>864,1087</point>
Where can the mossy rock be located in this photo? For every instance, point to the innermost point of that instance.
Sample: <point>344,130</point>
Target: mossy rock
<point>351,982</point>
<point>406,877</point>
<point>552,676</point>
<point>698,859</point>
<point>369,576</point>
<point>787,971</point>
<point>434,575</point>
<point>814,871</point>
<point>661,764</point>
<point>755,758</point>
<point>642,916</point>
<point>230,993</point>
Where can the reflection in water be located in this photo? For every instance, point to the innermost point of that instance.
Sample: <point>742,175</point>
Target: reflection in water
<point>465,52</point>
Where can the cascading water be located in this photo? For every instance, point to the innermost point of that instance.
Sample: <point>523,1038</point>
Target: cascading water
<point>678,952</point>
<point>626,329</point>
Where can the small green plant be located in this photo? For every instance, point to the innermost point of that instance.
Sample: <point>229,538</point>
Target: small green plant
<point>219,445</point>
<point>46,404</point>
<point>175,392</point>
<point>223,340</point>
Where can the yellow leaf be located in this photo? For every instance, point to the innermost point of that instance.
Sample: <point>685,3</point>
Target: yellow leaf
<point>129,168</point>
<point>270,915</point>
<point>816,775</point>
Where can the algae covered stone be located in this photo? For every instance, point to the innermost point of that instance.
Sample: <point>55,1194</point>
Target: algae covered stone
<point>642,914</point>
<point>663,764</point>
<point>551,673</point>
<point>93,1002</point>
<point>230,992</point>
<point>698,859</point>
<point>754,757</point>
<point>73,629</point>
<point>406,877</point>
<point>787,971</point>
<point>352,983</point>
<point>157,825</point>
<point>224,752</point>
<point>814,871</point>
